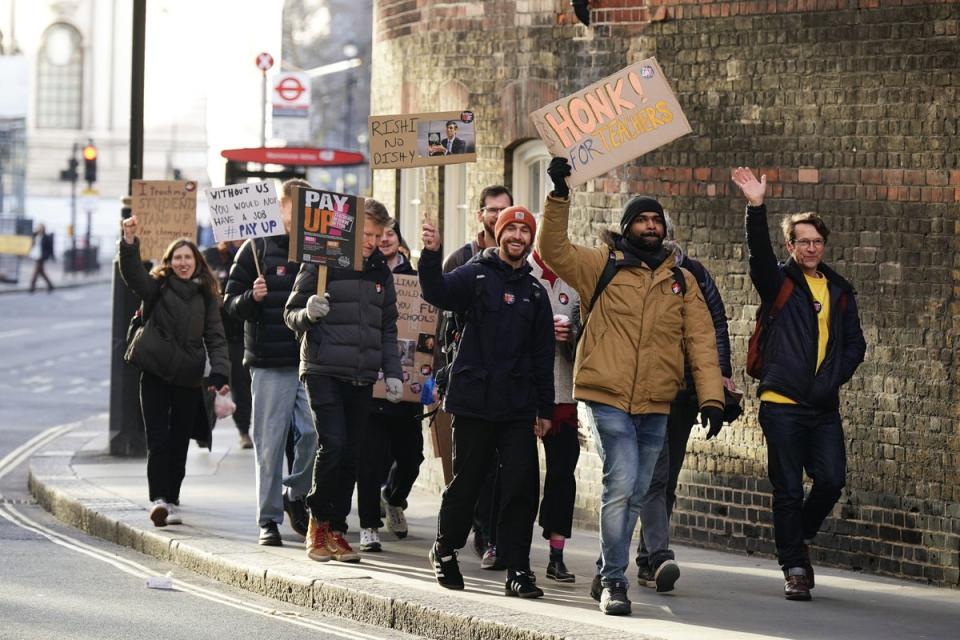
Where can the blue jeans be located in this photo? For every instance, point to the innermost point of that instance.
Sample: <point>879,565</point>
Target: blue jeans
<point>802,439</point>
<point>280,404</point>
<point>629,446</point>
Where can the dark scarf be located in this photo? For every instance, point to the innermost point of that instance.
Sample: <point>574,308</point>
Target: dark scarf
<point>652,259</point>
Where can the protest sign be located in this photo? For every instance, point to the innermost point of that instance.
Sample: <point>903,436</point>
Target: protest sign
<point>166,210</point>
<point>416,339</point>
<point>327,230</point>
<point>612,121</point>
<point>242,211</point>
<point>422,139</point>
<point>15,245</point>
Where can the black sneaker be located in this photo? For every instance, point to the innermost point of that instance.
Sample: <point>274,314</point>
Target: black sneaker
<point>556,570</point>
<point>521,584</point>
<point>270,535</point>
<point>613,600</point>
<point>446,569</point>
<point>296,510</point>
<point>645,574</point>
<point>666,576</point>
<point>596,588</point>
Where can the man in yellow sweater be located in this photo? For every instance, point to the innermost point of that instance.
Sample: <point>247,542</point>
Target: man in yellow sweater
<point>811,344</point>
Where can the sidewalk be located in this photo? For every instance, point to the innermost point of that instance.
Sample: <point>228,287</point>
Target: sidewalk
<point>718,596</point>
<point>60,279</point>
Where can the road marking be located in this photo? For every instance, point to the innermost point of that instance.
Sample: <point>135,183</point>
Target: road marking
<point>14,333</point>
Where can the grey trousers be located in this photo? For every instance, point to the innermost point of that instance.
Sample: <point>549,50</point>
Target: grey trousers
<point>279,404</point>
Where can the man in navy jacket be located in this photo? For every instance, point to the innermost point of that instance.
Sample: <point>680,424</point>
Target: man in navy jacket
<point>811,345</point>
<point>500,393</point>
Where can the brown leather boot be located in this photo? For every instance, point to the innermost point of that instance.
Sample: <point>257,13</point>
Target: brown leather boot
<point>340,549</point>
<point>318,540</point>
<point>796,588</point>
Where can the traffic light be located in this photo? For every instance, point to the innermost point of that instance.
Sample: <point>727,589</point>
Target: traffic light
<point>90,163</point>
<point>70,173</point>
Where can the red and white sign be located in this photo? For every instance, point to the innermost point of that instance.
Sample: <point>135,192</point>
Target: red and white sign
<point>264,61</point>
<point>290,98</point>
<point>296,156</point>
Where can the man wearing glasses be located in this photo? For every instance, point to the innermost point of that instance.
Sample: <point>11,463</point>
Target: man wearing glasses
<point>811,344</point>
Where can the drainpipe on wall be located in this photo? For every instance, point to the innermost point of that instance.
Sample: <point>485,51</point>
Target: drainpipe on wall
<point>582,9</point>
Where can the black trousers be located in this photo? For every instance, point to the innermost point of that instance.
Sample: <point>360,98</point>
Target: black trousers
<point>169,413</point>
<point>475,442</point>
<point>240,387</point>
<point>802,439</point>
<point>488,504</point>
<point>39,272</point>
<point>562,448</point>
<point>340,410</point>
<point>392,452</point>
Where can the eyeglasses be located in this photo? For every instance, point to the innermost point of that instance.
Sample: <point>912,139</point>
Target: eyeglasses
<point>495,210</point>
<point>805,243</point>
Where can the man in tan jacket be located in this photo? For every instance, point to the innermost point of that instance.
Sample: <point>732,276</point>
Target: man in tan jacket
<point>629,362</point>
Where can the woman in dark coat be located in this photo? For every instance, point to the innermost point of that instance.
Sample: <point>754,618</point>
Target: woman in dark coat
<point>182,329</point>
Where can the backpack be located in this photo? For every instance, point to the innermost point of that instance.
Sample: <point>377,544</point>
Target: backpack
<point>755,345</point>
<point>608,273</point>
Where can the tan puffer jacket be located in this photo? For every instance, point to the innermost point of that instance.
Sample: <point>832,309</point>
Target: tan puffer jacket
<point>632,350</point>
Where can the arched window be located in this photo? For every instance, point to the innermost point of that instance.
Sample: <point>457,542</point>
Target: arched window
<point>530,182</point>
<point>60,78</point>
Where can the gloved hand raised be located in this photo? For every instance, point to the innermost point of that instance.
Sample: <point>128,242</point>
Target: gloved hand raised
<point>558,171</point>
<point>394,389</point>
<point>318,307</point>
<point>713,417</point>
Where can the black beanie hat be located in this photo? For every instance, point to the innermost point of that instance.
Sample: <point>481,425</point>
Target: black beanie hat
<point>636,206</point>
<point>396,230</point>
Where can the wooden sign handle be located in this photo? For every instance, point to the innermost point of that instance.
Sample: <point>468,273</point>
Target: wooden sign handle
<point>321,280</point>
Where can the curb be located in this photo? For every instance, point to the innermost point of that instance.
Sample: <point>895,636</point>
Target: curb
<point>430,614</point>
<point>57,286</point>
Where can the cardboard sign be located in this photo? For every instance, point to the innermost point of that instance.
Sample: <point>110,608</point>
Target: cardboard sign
<point>422,139</point>
<point>15,245</point>
<point>612,121</point>
<point>242,211</point>
<point>416,339</point>
<point>327,229</point>
<point>166,210</point>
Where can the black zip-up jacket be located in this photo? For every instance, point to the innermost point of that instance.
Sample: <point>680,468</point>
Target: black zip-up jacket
<point>789,348</point>
<point>503,370</point>
<point>220,264</point>
<point>358,337</point>
<point>268,342</point>
<point>385,407</point>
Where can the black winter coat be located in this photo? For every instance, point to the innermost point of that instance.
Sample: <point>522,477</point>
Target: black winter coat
<point>789,347</point>
<point>503,370</point>
<point>220,264</point>
<point>183,311</point>
<point>358,337</point>
<point>268,342</point>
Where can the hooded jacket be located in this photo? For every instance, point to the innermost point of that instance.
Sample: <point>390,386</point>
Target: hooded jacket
<point>184,312</point>
<point>631,355</point>
<point>358,337</point>
<point>503,370</point>
<point>268,342</point>
<point>789,346</point>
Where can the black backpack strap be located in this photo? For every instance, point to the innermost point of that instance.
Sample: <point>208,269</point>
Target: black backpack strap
<point>609,271</point>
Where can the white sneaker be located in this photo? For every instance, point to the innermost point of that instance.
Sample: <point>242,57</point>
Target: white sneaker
<point>370,540</point>
<point>173,514</point>
<point>396,521</point>
<point>159,512</point>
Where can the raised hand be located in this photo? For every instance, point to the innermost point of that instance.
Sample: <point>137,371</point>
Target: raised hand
<point>753,190</point>
<point>129,228</point>
<point>431,240</point>
<point>558,170</point>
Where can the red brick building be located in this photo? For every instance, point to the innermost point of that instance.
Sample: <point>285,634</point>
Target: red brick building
<point>849,107</point>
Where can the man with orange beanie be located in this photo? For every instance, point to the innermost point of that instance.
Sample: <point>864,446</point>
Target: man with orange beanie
<point>500,393</point>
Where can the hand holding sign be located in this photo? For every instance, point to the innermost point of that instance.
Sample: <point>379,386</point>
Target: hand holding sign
<point>559,171</point>
<point>129,227</point>
<point>431,240</point>
<point>259,289</point>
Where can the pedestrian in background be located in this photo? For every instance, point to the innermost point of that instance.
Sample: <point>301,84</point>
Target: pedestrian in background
<point>41,251</point>
<point>257,289</point>
<point>181,331</point>
<point>393,452</point>
<point>347,337</point>
<point>220,258</point>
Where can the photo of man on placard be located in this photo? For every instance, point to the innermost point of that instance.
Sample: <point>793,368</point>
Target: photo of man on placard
<point>446,138</point>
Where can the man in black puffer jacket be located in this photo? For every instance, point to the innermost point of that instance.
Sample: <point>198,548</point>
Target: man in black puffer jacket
<point>500,393</point>
<point>258,287</point>
<point>811,345</point>
<point>347,337</point>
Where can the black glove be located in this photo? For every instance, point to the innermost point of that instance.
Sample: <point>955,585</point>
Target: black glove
<point>714,417</point>
<point>217,380</point>
<point>558,171</point>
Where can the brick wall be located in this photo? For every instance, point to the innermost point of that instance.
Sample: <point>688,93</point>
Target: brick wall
<point>849,107</point>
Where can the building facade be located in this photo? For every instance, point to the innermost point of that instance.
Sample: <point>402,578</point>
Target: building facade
<point>849,107</point>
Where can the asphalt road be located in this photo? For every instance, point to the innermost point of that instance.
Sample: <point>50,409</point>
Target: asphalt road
<point>56,582</point>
